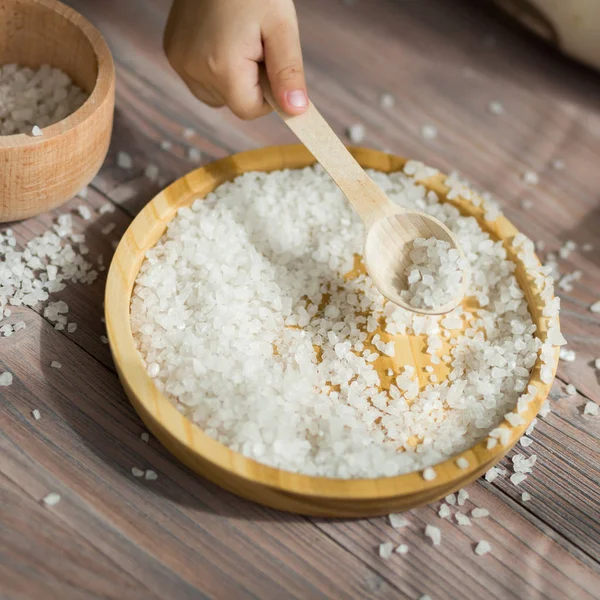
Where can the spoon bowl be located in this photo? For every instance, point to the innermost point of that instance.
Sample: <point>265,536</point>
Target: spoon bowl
<point>388,245</point>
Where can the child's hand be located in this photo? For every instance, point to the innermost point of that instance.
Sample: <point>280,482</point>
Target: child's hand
<point>217,45</point>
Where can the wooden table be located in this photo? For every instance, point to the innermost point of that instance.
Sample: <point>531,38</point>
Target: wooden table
<point>179,537</point>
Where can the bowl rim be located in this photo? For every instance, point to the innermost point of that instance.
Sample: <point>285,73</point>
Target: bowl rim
<point>168,424</point>
<point>102,87</point>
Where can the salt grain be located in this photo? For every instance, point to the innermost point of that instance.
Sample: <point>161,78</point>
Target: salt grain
<point>151,475</point>
<point>145,437</point>
<point>188,133</point>
<point>137,472</point>
<point>429,132</point>
<point>385,550</point>
<point>194,155</point>
<point>84,212</point>
<point>72,327</point>
<point>463,496</point>
<point>124,160</point>
<point>106,209</point>
<point>591,408</point>
<point>6,379</point>
<point>36,131</point>
<point>482,548</point>
<point>479,513</point>
<point>108,228</point>
<point>398,521</point>
<point>462,519</point>
<point>429,474</point>
<point>525,496</point>
<point>434,534</point>
<point>531,178</point>
<point>51,499</point>
<point>56,365</point>
<point>450,499</point>
<point>402,549</point>
<point>444,511</point>
<point>462,463</point>
<point>356,133</point>
<point>151,172</point>
<point>36,414</point>
<point>558,164</point>
<point>518,478</point>
<point>166,145</point>
<point>387,100</point>
<point>595,307</point>
<point>496,108</point>
<point>104,339</point>
<point>571,390</point>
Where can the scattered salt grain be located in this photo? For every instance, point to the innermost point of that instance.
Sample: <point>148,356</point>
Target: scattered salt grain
<point>591,408</point>
<point>444,511</point>
<point>491,474</point>
<point>387,100</point>
<point>450,499</point>
<point>51,499</point>
<point>188,133</point>
<point>429,132</point>
<point>462,463</point>
<point>434,534</point>
<point>525,496</point>
<point>106,209</point>
<point>425,597</point>
<point>595,307</point>
<point>525,441</point>
<point>166,145</point>
<point>36,131</point>
<point>151,172</point>
<point>479,513</point>
<point>137,472</point>
<point>571,390</point>
<point>82,193</point>
<point>527,204</point>
<point>356,133</point>
<point>496,108</point>
<point>567,355</point>
<point>104,339</point>
<point>145,437</point>
<point>462,519</point>
<point>517,478</point>
<point>463,496</point>
<point>402,549</point>
<point>194,155</point>
<point>558,164</point>
<point>385,550</point>
<point>530,177</point>
<point>56,365</point>
<point>482,548</point>
<point>151,475</point>
<point>84,212</point>
<point>6,379</point>
<point>72,327</point>
<point>124,160</point>
<point>429,474</point>
<point>36,414</point>
<point>108,228</point>
<point>398,521</point>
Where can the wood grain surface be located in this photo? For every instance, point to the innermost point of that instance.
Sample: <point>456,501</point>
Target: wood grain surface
<point>180,537</point>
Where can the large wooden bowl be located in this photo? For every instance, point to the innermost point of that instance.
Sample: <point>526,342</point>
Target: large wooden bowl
<point>273,487</point>
<point>40,173</point>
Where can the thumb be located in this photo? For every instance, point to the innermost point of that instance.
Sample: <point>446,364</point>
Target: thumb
<point>283,60</point>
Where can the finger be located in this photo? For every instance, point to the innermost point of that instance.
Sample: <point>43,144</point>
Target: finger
<point>283,59</point>
<point>210,97</point>
<point>242,91</point>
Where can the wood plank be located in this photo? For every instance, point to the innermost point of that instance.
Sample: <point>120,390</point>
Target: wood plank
<point>178,534</point>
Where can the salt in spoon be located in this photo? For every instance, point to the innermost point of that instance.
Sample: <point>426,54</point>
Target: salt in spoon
<point>390,228</point>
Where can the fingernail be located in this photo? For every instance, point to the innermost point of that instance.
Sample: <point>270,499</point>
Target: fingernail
<point>297,98</point>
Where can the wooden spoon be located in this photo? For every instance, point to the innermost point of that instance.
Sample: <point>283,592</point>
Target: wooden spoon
<point>390,228</point>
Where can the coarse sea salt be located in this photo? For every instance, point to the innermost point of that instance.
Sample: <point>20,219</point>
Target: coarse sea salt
<point>228,308</point>
<point>51,499</point>
<point>434,534</point>
<point>398,521</point>
<point>591,408</point>
<point>32,99</point>
<point>434,274</point>
<point>356,133</point>
<point>385,550</point>
<point>479,513</point>
<point>6,379</point>
<point>482,548</point>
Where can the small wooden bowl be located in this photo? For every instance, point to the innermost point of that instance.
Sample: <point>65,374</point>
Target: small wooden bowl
<point>274,487</point>
<point>40,173</point>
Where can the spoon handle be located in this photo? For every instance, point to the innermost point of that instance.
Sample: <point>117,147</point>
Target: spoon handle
<point>365,196</point>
